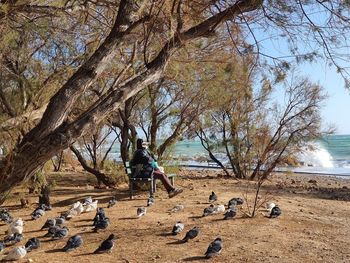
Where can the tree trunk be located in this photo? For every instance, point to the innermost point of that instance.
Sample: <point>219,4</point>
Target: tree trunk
<point>101,177</point>
<point>44,197</point>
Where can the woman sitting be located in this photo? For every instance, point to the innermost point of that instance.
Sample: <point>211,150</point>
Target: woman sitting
<point>149,165</point>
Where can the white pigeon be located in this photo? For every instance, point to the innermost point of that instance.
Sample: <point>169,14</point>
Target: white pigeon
<point>16,227</point>
<point>76,209</point>
<point>141,211</point>
<point>16,254</point>
<point>269,206</point>
<point>177,208</point>
<point>219,209</point>
<point>89,207</point>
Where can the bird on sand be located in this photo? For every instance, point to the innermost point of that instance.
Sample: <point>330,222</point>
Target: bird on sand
<point>191,234</point>
<point>100,214</point>
<point>106,246</point>
<point>235,201</point>
<point>38,212</point>
<point>16,227</point>
<point>230,213</point>
<point>213,197</point>
<point>112,202</point>
<point>214,248</point>
<point>101,224</point>
<point>33,243</point>
<point>16,254</point>
<point>177,228</point>
<point>208,210</point>
<point>91,206</point>
<point>5,216</point>
<point>150,201</point>
<point>141,211</point>
<point>219,209</point>
<point>51,231</point>
<point>275,212</point>
<point>177,208</point>
<point>13,239</point>
<point>73,243</point>
<point>61,233</point>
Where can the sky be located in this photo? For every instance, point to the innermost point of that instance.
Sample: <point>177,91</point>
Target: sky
<point>337,107</point>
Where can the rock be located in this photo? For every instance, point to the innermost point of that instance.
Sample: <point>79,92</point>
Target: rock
<point>292,181</point>
<point>312,181</point>
<point>345,187</point>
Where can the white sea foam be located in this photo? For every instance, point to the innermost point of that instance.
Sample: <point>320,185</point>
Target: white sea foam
<point>316,156</point>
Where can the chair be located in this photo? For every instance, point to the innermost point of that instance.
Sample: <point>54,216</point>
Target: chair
<point>132,171</point>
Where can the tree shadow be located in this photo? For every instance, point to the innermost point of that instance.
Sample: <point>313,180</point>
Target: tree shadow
<point>195,258</point>
<point>128,218</point>
<point>195,217</point>
<point>177,242</point>
<point>54,250</point>
<point>165,234</point>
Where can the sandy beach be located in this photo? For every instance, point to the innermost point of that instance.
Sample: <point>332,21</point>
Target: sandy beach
<point>314,225</point>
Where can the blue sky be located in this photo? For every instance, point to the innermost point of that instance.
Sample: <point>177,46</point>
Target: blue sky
<point>337,107</point>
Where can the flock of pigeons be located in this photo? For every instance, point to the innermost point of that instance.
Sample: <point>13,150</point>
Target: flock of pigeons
<point>57,230</point>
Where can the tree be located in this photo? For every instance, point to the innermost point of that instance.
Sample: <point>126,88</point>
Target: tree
<point>160,28</point>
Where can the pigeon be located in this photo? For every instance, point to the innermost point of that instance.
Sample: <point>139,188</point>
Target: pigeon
<point>16,254</point>
<point>76,209</point>
<point>5,216</point>
<point>38,212</point>
<point>150,201</point>
<point>177,228</point>
<point>213,197</point>
<point>141,211</point>
<point>73,243</point>
<point>275,212</point>
<point>2,246</point>
<point>13,238</point>
<point>45,207</point>
<point>191,234</point>
<point>269,206</point>
<point>49,223</point>
<point>219,209</point>
<point>112,202</point>
<point>100,214</point>
<point>33,243</point>
<point>208,210</point>
<point>177,208</point>
<point>214,248</point>
<point>235,201</point>
<point>87,201</point>
<point>91,206</point>
<point>230,213</point>
<point>60,221</point>
<point>61,233</point>
<point>51,231</point>
<point>102,224</point>
<point>16,227</point>
<point>106,246</point>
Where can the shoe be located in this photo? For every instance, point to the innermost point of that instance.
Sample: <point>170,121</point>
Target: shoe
<point>175,192</point>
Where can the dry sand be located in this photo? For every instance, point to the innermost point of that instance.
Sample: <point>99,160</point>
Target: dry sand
<point>314,225</point>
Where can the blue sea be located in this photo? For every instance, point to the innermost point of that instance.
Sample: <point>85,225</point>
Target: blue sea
<point>331,155</point>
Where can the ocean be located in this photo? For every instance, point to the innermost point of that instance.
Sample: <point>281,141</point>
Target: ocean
<point>331,155</point>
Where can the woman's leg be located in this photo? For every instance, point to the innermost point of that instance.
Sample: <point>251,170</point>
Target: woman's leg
<point>165,180</point>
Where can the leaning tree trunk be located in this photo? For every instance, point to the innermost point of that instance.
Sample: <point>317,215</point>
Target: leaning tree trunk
<point>54,133</point>
<point>101,177</point>
<point>44,196</point>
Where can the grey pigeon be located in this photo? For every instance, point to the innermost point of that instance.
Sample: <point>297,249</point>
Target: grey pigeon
<point>141,211</point>
<point>191,234</point>
<point>73,243</point>
<point>13,238</point>
<point>177,228</point>
<point>51,231</point>
<point>213,197</point>
<point>49,223</point>
<point>100,214</point>
<point>32,243</point>
<point>102,224</point>
<point>230,213</point>
<point>2,246</point>
<point>61,233</point>
<point>209,210</point>
<point>275,212</point>
<point>235,201</point>
<point>151,201</point>
<point>112,202</point>
<point>214,248</point>
<point>60,221</point>
<point>38,213</point>
<point>5,216</point>
<point>45,207</point>
<point>106,246</point>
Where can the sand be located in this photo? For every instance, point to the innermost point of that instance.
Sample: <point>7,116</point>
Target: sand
<point>314,225</point>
